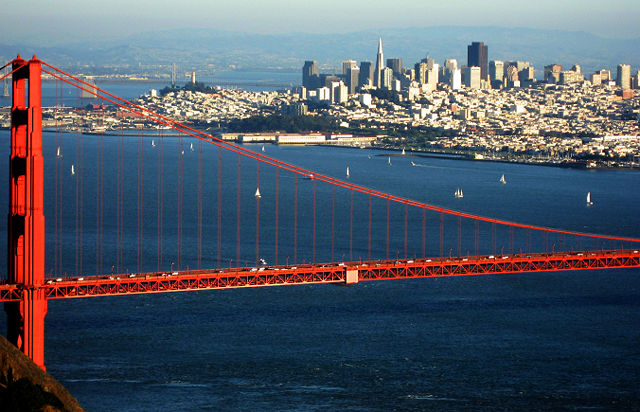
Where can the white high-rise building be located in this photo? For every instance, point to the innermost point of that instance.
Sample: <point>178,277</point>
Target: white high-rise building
<point>624,76</point>
<point>456,79</point>
<point>386,78</point>
<point>472,77</point>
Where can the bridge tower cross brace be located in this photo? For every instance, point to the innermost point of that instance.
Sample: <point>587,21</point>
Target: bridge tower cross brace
<point>26,231</point>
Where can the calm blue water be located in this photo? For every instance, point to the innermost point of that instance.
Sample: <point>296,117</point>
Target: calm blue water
<point>565,340</point>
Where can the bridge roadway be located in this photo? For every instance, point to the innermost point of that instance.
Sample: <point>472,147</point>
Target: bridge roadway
<point>339,273</point>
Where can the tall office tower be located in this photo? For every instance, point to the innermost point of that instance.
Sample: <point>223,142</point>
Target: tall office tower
<point>596,79</point>
<point>520,65</point>
<point>456,79</point>
<point>421,72</point>
<point>512,74</point>
<point>552,73</point>
<point>623,79</point>
<point>310,75</point>
<point>352,77</point>
<point>450,65</point>
<point>193,77</point>
<point>432,75</point>
<point>496,71</point>
<point>477,55</point>
<point>377,74</point>
<point>472,76</point>
<point>396,66</point>
<point>386,78</point>
<point>605,75</point>
<point>527,74</point>
<point>366,75</point>
<point>635,80</point>
<point>347,64</point>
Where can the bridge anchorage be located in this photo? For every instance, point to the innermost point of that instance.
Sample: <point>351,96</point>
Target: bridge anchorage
<point>27,291</point>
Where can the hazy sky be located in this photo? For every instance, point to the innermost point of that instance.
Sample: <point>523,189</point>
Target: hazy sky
<point>65,19</point>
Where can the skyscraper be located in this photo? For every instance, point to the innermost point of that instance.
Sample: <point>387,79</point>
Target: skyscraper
<point>496,71</point>
<point>472,76</point>
<point>352,76</point>
<point>347,64</point>
<point>396,65</point>
<point>421,72</point>
<point>477,55</point>
<point>310,74</point>
<point>379,65</point>
<point>366,75</point>
<point>623,79</point>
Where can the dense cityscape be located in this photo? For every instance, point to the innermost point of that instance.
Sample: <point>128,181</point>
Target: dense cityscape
<point>488,110</point>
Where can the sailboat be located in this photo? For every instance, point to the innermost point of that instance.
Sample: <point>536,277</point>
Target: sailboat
<point>73,171</point>
<point>389,160</point>
<point>458,193</point>
<point>503,180</point>
<point>413,164</point>
<point>263,148</point>
<point>153,143</point>
<point>589,202</point>
<point>191,147</point>
<point>348,174</point>
<point>403,151</point>
<point>258,196</point>
<point>58,155</point>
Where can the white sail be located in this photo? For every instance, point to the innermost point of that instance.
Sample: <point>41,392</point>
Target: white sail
<point>348,174</point>
<point>389,160</point>
<point>458,193</point>
<point>258,196</point>
<point>73,171</point>
<point>153,143</point>
<point>263,148</point>
<point>58,152</point>
<point>191,147</point>
<point>503,180</point>
<point>403,151</point>
<point>413,164</point>
<point>589,202</point>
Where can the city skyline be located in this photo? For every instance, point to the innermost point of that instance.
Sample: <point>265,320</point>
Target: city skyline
<point>66,20</point>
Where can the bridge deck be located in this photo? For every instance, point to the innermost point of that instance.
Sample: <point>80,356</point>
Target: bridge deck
<point>157,282</point>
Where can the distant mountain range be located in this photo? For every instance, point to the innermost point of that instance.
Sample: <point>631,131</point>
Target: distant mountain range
<point>208,50</point>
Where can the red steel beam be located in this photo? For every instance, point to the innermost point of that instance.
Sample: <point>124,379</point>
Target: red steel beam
<point>157,282</point>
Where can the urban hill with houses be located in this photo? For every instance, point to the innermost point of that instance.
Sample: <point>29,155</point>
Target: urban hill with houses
<point>492,110</point>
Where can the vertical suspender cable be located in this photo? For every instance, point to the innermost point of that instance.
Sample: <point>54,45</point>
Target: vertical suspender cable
<point>351,226</point>
<point>180,199</point>
<point>441,234</point>
<point>406,227</point>
<point>333,221</point>
<point>160,197</point>
<point>199,204</point>
<point>313,259</point>
<point>238,210</point>
<point>369,232</point>
<point>257,213</point>
<point>295,219</point>
<point>424,233</point>
<point>277,212</point>
<point>388,212</point>
<point>219,221</point>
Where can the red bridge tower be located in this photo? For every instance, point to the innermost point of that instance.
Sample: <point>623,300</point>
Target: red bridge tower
<point>26,218</point>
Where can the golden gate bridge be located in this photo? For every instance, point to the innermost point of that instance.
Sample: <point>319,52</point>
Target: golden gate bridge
<point>307,214</point>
